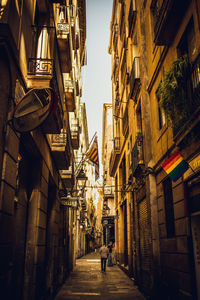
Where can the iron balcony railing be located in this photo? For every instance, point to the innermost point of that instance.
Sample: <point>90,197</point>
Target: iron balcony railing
<point>59,138</point>
<point>74,128</point>
<point>137,152</point>
<point>41,61</point>
<point>193,98</point>
<point>63,29</point>
<point>62,24</point>
<point>69,84</point>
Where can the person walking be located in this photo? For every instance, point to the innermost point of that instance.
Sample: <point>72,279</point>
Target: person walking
<point>110,246</point>
<point>104,254</point>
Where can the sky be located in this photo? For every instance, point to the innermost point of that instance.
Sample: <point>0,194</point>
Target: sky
<point>96,75</point>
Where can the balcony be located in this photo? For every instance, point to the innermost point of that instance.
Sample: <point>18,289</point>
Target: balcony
<point>84,204</point>
<point>63,37</point>
<point>125,121</point>
<point>191,124</point>
<point>75,134</point>
<point>69,94</point>
<point>67,177</point>
<point>44,71</point>
<point>137,155</point>
<point>135,79</point>
<point>167,16</point>
<point>41,63</point>
<point>73,25</point>
<point>115,155</point>
<point>132,17</point>
<point>60,150</point>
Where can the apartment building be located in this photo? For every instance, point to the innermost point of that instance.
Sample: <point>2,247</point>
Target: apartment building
<point>155,77</point>
<point>108,210</point>
<point>42,46</point>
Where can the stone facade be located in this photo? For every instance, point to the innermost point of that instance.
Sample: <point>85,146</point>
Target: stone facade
<point>157,219</point>
<point>36,241</point>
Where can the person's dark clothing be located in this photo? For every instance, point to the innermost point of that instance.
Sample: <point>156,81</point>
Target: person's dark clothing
<point>110,248</point>
<point>103,264</point>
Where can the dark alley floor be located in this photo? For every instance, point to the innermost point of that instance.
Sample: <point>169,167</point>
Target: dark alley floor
<point>87,282</point>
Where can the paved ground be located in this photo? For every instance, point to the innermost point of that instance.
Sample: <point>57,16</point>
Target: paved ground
<point>88,283</point>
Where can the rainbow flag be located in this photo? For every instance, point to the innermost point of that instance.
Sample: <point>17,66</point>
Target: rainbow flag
<point>175,166</point>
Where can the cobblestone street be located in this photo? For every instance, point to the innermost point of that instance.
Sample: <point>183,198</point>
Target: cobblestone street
<point>87,282</point>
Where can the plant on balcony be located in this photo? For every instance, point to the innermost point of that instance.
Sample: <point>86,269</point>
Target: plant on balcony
<point>172,92</point>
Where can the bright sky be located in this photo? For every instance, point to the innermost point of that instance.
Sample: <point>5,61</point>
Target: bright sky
<point>96,75</point>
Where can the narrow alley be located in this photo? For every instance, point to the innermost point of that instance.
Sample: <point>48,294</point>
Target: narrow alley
<point>87,282</point>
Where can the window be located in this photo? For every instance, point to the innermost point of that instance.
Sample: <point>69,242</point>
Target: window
<point>161,115</point>
<point>187,43</point>
<point>169,209</point>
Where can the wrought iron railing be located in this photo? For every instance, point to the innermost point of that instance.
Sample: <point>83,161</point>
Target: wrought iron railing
<point>62,24</point>
<point>63,28</point>
<point>59,138</point>
<point>69,84</point>
<point>41,61</point>
<point>74,129</point>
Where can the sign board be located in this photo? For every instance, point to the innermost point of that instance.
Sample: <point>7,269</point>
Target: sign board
<point>69,202</point>
<point>107,190</point>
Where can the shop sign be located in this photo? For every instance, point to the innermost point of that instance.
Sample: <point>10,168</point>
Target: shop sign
<point>69,202</point>
<point>107,190</point>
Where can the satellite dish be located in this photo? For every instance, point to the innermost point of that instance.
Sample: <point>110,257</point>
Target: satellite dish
<point>33,109</point>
